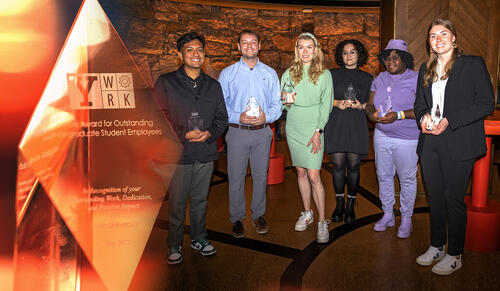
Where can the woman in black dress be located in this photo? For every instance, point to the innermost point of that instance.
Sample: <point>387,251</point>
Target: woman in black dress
<point>346,134</point>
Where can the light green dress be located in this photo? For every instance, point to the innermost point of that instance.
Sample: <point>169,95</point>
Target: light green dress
<point>310,111</point>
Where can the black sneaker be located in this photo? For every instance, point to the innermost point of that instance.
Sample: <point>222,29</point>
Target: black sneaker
<point>238,230</point>
<point>174,255</point>
<point>260,225</point>
<point>204,246</point>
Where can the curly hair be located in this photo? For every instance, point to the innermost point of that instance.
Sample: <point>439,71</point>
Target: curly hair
<point>406,57</point>
<point>358,46</point>
<point>317,67</point>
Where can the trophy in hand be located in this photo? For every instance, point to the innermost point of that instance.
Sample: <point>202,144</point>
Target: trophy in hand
<point>253,107</point>
<point>350,94</point>
<point>289,91</point>
<point>195,122</point>
<point>435,117</point>
<point>385,107</point>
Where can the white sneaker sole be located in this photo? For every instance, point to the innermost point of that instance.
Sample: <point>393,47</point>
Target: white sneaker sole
<point>446,272</point>
<point>303,227</point>
<point>323,240</point>
<point>428,263</point>
<point>205,254</point>
<point>171,262</point>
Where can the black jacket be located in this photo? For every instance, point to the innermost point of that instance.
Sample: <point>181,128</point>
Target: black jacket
<point>179,96</point>
<point>468,99</point>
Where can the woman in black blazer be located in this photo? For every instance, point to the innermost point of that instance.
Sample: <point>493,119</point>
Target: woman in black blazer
<point>454,94</point>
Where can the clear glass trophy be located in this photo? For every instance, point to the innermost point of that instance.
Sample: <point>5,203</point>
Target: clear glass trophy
<point>385,107</point>
<point>253,107</point>
<point>436,117</point>
<point>195,122</point>
<point>350,94</point>
<point>82,221</point>
<point>289,90</point>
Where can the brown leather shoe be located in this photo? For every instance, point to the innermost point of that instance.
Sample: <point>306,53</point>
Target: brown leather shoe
<point>238,230</point>
<point>260,225</point>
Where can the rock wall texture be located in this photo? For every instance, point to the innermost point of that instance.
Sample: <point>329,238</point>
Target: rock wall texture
<point>150,29</point>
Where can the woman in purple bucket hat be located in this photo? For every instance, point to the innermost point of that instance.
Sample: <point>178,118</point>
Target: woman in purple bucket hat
<point>396,134</point>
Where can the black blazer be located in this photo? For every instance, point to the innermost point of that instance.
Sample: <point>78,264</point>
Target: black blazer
<point>468,99</point>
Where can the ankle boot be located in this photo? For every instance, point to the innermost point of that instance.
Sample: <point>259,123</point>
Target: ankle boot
<point>338,213</point>
<point>386,221</point>
<point>406,227</point>
<point>350,217</point>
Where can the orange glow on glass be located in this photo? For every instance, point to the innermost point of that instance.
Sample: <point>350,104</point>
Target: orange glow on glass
<point>100,148</point>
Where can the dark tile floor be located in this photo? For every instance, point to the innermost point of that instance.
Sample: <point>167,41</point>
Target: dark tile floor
<point>356,258</point>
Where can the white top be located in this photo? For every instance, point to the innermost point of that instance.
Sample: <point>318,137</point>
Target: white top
<point>438,89</point>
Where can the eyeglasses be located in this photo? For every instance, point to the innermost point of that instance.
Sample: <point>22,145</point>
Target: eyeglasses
<point>393,58</point>
<point>352,53</point>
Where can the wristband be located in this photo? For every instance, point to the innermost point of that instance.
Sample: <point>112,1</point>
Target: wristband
<point>319,130</point>
<point>399,115</point>
<point>402,114</point>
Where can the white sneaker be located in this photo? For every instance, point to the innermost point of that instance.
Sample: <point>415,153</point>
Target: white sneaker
<point>432,255</point>
<point>448,265</point>
<point>323,234</point>
<point>306,218</point>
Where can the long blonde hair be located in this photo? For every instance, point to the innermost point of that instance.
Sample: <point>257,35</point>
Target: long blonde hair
<point>317,67</point>
<point>431,75</point>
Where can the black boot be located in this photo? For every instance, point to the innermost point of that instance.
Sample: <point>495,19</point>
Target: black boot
<point>338,213</point>
<point>350,217</point>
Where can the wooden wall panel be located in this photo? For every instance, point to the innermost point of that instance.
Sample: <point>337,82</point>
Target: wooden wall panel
<point>470,18</point>
<point>477,23</point>
<point>412,19</point>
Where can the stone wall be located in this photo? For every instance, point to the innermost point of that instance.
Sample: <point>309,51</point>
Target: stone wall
<point>150,29</point>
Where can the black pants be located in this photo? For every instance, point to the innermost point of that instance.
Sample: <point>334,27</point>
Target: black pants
<point>446,181</point>
<point>340,160</point>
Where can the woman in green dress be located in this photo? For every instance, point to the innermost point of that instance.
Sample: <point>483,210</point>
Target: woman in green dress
<point>306,118</point>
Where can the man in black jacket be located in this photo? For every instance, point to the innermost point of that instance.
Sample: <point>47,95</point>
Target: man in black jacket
<point>194,105</point>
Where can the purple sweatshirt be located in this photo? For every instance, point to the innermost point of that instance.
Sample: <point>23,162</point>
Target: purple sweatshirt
<point>401,89</point>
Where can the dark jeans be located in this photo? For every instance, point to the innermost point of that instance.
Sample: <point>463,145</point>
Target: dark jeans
<point>446,181</point>
<point>193,181</point>
<point>340,160</point>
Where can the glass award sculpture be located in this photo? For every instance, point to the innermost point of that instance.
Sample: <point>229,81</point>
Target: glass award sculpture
<point>436,115</point>
<point>195,122</point>
<point>94,164</point>
<point>385,107</point>
<point>289,91</point>
<point>253,107</point>
<point>350,93</point>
